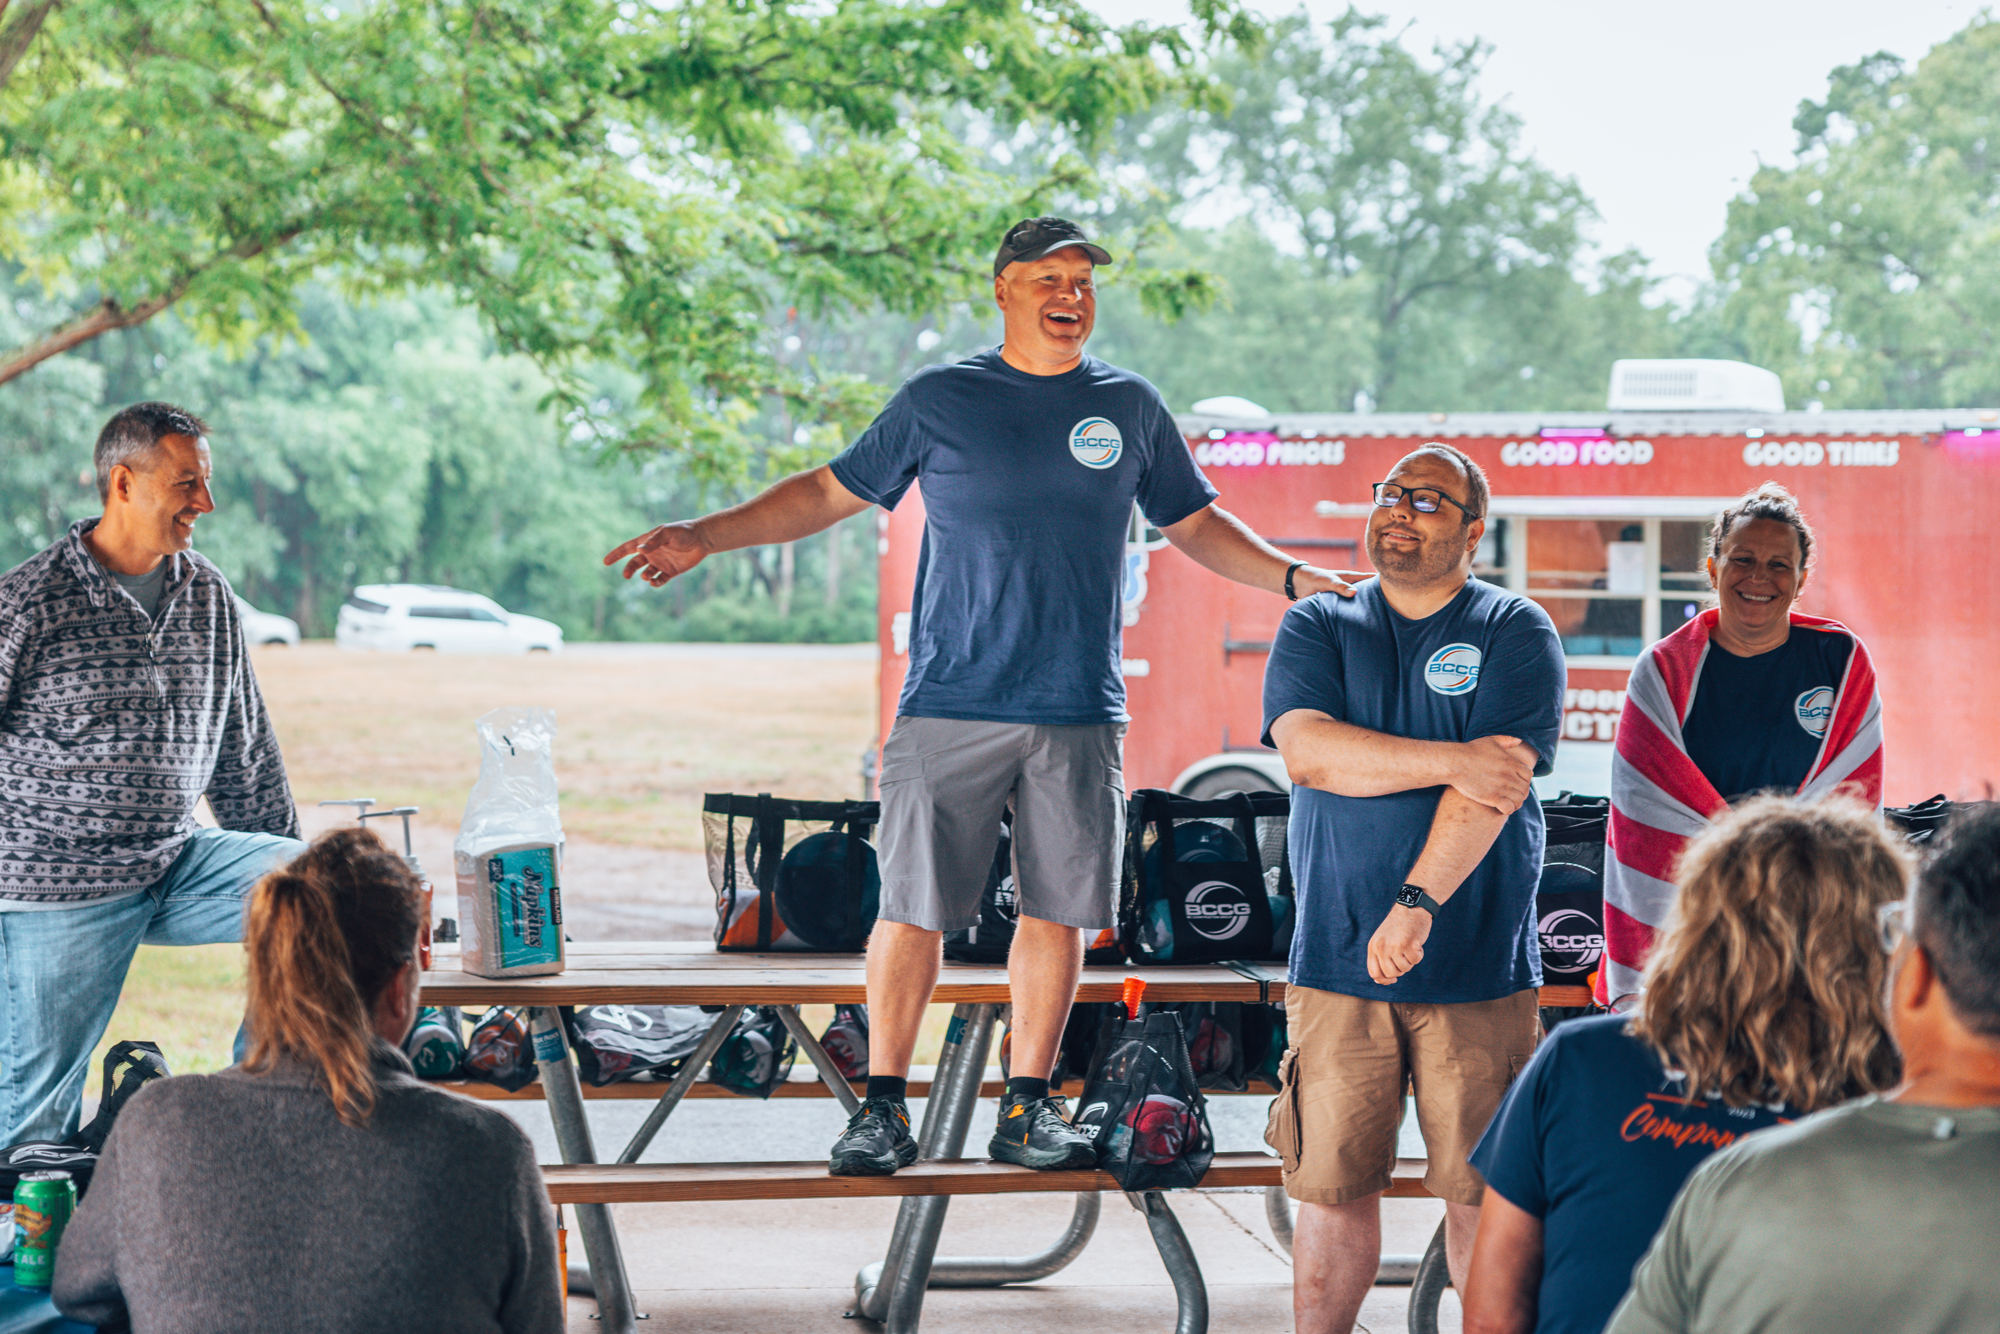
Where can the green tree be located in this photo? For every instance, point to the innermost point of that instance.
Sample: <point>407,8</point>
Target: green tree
<point>603,181</point>
<point>1396,249</point>
<point>48,419</point>
<point>1868,274</point>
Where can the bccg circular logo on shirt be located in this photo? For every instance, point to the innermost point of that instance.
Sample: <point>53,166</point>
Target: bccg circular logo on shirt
<point>1814,709</point>
<point>1453,669</point>
<point>1095,442</point>
<point>1217,909</point>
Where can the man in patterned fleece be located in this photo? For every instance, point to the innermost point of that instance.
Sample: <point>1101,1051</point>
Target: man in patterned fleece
<point>126,695</point>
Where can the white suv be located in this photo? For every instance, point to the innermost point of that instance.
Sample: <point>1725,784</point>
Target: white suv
<point>265,627</point>
<point>396,618</point>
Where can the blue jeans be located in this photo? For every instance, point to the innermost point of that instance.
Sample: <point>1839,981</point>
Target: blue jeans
<point>64,969</point>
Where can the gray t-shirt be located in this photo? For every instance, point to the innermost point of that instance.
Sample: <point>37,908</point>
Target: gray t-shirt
<point>144,588</point>
<point>1866,1217</point>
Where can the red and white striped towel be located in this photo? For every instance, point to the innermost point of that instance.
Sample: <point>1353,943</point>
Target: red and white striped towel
<point>1659,800</point>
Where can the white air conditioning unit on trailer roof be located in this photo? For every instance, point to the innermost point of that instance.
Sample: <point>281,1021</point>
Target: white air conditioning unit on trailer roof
<point>1694,386</point>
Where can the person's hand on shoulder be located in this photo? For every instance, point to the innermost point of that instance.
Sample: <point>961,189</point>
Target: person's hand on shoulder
<point>1495,771</point>
<point>657,556</point>
<point>1398,944</point>
<point>1310,579</point>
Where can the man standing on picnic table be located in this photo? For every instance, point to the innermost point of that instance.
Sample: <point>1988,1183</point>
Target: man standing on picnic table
<point>1031,457</point>
<point>126,696</point>
<point>1411,719</point>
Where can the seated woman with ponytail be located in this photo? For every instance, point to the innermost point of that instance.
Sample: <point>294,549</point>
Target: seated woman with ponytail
<point>317,1185</point>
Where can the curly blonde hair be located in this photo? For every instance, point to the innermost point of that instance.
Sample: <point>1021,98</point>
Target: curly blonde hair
<point>1767,983</point>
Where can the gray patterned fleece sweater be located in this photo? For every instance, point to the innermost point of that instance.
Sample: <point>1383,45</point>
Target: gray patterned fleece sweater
<point>113,725</point>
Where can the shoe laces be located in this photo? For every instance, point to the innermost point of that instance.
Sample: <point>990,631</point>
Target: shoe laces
<point>1042,1110</point>
<point>887,1109</point>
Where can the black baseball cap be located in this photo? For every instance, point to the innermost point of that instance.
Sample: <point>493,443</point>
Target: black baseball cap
<point>1036,237</point>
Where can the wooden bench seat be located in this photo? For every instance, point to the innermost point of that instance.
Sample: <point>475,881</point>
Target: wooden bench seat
<point>645,1183</point>
<point>804,1083</point>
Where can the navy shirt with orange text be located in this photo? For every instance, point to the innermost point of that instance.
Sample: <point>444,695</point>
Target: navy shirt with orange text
<point>1595,1139</point>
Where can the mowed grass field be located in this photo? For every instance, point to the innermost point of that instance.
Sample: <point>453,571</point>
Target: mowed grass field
<point>639,738</point>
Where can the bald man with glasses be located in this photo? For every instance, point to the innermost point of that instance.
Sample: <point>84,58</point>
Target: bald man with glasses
<point>1411,717</point>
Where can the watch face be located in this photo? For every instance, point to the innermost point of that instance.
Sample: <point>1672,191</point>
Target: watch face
<point>1409,896</point>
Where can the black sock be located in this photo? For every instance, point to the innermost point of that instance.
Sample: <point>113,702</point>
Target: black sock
<point>1026,1089</point>
<point>888,1086</point>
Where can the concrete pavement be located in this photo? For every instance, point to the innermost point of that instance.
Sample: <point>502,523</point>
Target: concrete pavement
<point>787,1267</point>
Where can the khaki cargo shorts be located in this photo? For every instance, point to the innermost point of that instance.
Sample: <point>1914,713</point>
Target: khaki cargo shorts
<point>1349,1064</point>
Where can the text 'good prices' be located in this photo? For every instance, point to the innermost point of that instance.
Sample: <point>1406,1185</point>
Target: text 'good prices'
<point>1251,453</point>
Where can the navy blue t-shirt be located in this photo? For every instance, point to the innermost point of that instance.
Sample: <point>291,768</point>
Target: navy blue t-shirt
<point>1595,1139</point>
<point>1028,485</point>
<point>1757,723</point>
<point>1488,663</point>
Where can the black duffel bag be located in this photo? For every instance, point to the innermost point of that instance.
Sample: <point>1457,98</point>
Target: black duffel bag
<point>1196,887</point>
<point>142,1063</point>
<point>1569,907</point>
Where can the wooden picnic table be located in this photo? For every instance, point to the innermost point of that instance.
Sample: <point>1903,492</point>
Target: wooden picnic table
<point>695,973</point>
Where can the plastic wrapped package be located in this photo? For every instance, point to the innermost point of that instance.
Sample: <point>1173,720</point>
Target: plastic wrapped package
<point>508,856</point>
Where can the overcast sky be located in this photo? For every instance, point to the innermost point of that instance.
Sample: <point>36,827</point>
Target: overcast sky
<point>1661,112</point>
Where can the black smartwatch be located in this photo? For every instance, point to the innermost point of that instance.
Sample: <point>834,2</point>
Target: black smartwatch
<point>1413,896</point>
<point>1290,591</point>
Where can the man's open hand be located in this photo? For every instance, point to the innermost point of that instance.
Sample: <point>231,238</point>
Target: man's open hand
<point>1496,772</point>
<point>1310,579</point>
<point>1398,944</point>
<point>669,550</point>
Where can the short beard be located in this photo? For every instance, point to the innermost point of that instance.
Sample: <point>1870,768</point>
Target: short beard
<point>1433,561</point>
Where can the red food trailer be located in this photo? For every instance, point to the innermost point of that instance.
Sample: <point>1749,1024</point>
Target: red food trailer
<point>1601,518</point>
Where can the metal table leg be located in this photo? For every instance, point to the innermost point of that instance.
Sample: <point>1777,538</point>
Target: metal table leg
<point>993,1271</point>
<point>829,1073</point>
<point>1278,1213</point>
<point>1395,1270</point>
<point>600,1237</point>
<point>1427,1286</point>
<point>896,1297</point>
<point>691,1069</point>
<point>1189,1291</point>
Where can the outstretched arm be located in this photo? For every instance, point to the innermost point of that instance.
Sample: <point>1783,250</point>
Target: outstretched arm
<point>1217,540</point>
<point>799,506</point>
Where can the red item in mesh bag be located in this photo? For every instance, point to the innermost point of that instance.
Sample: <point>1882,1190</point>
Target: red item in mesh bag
<point>1162,1129</point>
<point>846,1041</point>
<point>1211,1048</point>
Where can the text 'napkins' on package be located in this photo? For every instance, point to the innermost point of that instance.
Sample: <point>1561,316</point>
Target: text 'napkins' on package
<point>509,850</point>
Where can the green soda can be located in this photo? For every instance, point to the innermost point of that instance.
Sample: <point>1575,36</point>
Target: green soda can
<point>434,1046</point>
<point>43,1203</point>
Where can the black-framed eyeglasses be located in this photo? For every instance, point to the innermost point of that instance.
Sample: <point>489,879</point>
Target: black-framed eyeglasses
<point>1423,499</point>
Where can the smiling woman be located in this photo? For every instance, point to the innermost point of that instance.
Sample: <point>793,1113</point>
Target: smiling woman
<point>1750,695</point>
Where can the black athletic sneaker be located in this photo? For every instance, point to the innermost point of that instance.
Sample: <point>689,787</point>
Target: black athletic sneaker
<point>876,1142</point>
<point>1033,1133</point>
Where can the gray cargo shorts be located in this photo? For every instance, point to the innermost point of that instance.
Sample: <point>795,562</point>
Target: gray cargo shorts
<point>945,783</point>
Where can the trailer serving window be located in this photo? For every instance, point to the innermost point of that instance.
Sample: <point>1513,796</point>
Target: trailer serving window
<point>1614,573</point>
